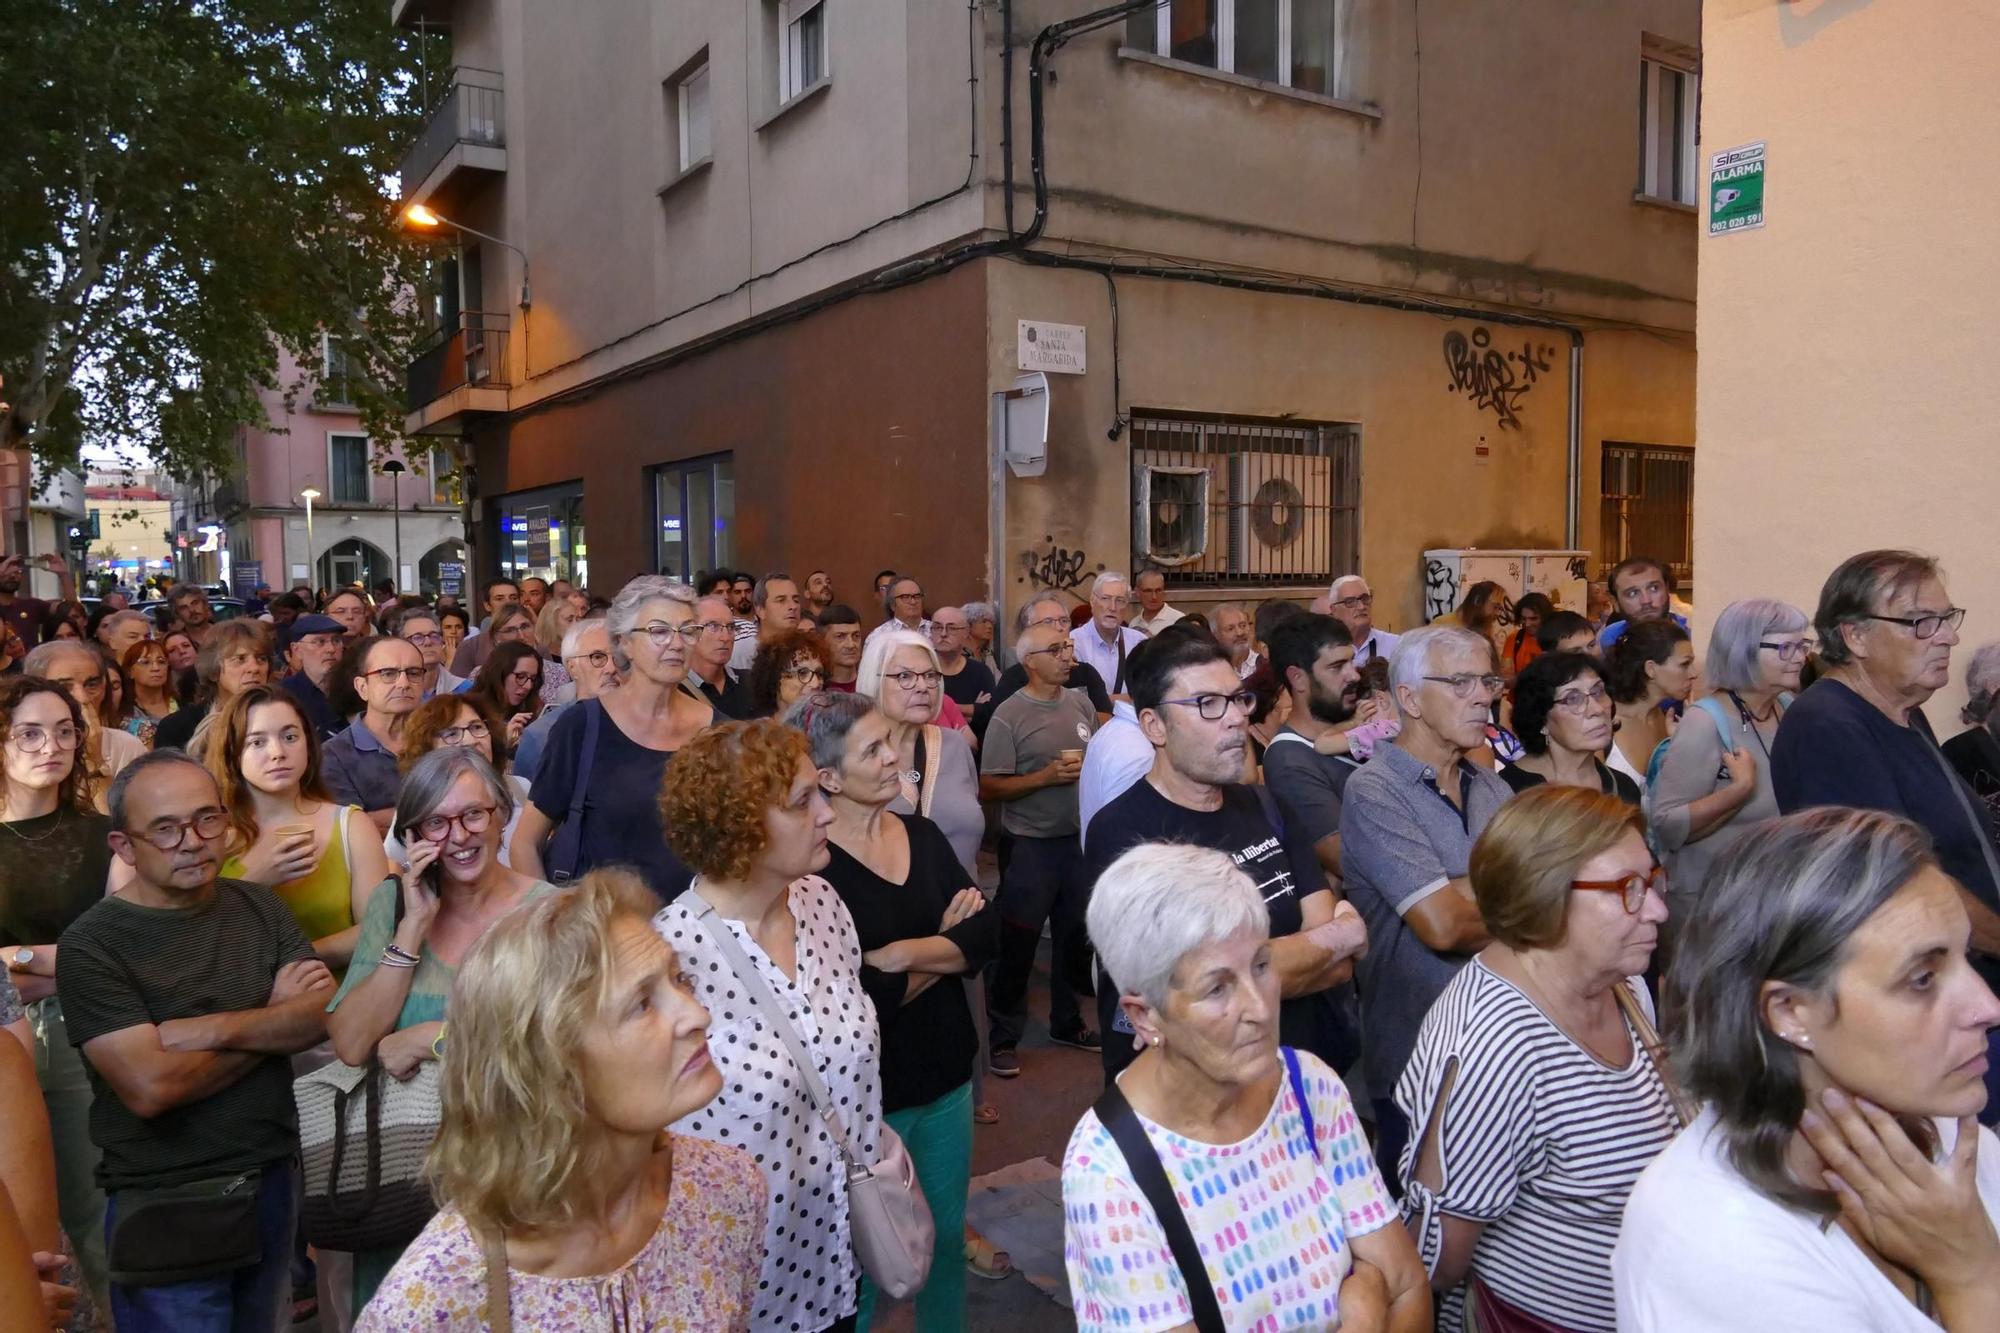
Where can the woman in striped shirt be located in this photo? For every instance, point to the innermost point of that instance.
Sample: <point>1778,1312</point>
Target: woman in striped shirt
<point>1533,1078</point>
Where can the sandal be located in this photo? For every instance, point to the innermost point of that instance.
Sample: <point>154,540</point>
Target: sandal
<point>985,1114</point>
<point>983,1259</point>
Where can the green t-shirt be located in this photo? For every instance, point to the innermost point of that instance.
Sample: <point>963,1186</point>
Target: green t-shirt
<point>121,965</point>
<point>430,982</point>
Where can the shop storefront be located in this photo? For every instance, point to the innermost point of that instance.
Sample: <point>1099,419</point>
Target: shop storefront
<point>540,533</point>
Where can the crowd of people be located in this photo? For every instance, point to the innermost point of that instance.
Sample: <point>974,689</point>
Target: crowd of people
<point>1519,971</point>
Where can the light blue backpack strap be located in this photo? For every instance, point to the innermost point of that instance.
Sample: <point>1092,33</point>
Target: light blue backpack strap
<point>1724,723</point>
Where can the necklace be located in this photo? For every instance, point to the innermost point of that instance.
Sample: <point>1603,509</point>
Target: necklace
<point>41,837</point>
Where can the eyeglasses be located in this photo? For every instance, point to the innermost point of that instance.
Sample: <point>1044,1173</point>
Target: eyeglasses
<point>1063,649</point>
<point>1797,648</point>
<point>390,675</point>
<point>169,834</point>
<point>1359,601</point>
<point>457,735</point>
<point>805,674</point>
<point>431,640</point>
<point>1466,684</point>
<point>1213,707</point>
<point>1926,625</point>
<point>909,680</point>
<point>1581,701</point>
<point>473,819</point>
<point>597,659</point>
<point>33,740</point>
<point>1054,622</point>
<point>663,634</point>
<point>1634,887</point>
<point>524,677</point>
<point>909,597</point>
<point>940,628</point>
<point>712,627</point>
<point>87,682</point>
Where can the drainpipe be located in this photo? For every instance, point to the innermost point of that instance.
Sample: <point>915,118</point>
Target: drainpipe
<point>1573,477</point>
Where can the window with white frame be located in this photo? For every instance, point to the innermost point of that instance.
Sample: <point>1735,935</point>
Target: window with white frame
<point>347,469</point>
<point>801,46</point>
<point>1669,120</point>
<point>1302,44</point>
<point>336,370</point>
<point>688,100</point>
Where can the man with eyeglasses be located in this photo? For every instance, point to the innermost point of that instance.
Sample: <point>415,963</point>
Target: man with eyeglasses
<point>1858,735</point>
<point>1154,613</point>
<point>902,608</point>
<point>1408,819</point>
<point>586,652</point>
<point>966,683</point>
<point>709,675</point>
<point>778,602</point>
<point>359,764</point>
<point>1029,763</point>
<point>1352,602</point>
<point>312,651</point>
<point>187,994</point>
<point>85,675</point>
<point>421,629</point>
<point>1050,611</point>
<point>1105,642</point>
<point>1237,635</point>
<point>1195,714</point>
<point>1643,588</point>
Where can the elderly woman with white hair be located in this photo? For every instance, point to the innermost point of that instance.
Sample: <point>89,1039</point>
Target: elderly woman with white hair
<point>1715,780</point>
<point>940,778</point>
<point>1217,1131</point>
<point>595,798</point>
<point>1975,752</point>
<point>982,629</point>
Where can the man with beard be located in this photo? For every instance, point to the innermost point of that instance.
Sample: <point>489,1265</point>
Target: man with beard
<point>819,593</point>
<point>1307,765</point>
<point>26,615</point>
<point>1196,714</point>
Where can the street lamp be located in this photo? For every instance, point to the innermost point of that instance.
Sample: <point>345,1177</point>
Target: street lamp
<point>395,468</point>
<point>418,215</point>
<point>312,565</point>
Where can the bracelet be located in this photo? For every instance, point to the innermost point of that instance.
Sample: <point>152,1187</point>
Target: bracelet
<point>437,1043</point>
<point>402,953</point>
<point>392,959</point>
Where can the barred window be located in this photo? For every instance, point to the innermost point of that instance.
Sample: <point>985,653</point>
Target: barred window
<point>1648,506</point>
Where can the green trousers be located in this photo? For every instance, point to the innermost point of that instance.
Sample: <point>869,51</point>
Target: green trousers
<point>939,1137</point>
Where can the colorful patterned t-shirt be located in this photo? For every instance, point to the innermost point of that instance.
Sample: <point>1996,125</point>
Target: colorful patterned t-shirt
<point>1272,1221</point>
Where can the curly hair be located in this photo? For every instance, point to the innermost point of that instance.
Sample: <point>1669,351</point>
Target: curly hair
<point>1643,642</point>
<point>517,1146</point>
<point>1535,691</point>
<point>421,728</point>
<point>774,659</point>
<point>490,685</point>
<point>80,785</point>
<point>717,789</point>
<point>224,757</point>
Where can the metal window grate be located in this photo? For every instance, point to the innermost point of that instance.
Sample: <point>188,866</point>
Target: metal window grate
<point>1244,501</point>
<point>1648,506</point>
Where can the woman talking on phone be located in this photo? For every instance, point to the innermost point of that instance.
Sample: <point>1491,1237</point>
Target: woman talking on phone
<point>449,816</point>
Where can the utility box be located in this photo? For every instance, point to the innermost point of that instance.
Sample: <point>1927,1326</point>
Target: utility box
<point>1561,576</point>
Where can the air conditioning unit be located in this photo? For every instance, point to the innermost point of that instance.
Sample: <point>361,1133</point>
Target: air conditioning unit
<point>1280,514</point>
<point>1171,505</point>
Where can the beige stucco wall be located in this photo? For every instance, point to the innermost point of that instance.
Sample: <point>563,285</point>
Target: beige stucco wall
<point>1846,395</point>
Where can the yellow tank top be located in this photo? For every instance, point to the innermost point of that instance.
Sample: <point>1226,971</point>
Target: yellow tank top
<point>320,900</point>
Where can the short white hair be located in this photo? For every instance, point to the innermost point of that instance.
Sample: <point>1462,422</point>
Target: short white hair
<point>623,616</point>
<point>875,658</point>
<point>572,642</point>
<point>1160,902</point>
<point>1333,592</point>
<point>1105,577</point>
<point>1424,651</point>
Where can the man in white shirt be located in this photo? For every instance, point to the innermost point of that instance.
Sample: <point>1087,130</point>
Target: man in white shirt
<point>1154,613</point>
<point>778,603</point>
<point>1352,603</point>
<point>902,608</point>
<point>1235,632</point>
<point>1106,641</point>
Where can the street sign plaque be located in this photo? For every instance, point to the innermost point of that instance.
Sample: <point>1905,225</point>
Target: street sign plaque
<point>1736,189</point>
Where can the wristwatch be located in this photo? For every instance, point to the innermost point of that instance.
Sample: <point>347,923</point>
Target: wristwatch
<point>20,958</point>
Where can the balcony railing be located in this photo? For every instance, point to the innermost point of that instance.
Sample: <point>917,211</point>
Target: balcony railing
<point>473,354</point>
<point>472,113</point>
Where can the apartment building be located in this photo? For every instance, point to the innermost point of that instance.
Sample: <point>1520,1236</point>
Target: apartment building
<point>1313,285</point>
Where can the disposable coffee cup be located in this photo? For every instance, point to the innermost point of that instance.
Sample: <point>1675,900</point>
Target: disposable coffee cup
<point>1073,756</point>
<point>295,832</point>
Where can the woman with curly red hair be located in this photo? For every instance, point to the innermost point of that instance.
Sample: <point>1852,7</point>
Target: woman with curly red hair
<point>742,807</point>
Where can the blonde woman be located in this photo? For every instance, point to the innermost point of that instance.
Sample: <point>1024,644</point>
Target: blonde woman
<point>554,622</point>
<point>574,1036</point>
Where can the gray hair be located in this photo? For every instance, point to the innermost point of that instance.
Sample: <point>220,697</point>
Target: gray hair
<point>826,716</point>
<point>121,786</point>
<point>1732,644</point>
<point>1108,576</point>
<point>1160,902</point>
<point>762,591</point>
<point>889,593</point>
<point>1022,616</point>
<point>1854,591</point>
<point>431,778</point>
<point>1982,683</point>
<point>123,618</point>
<point>624,613</point>
<point>979,613</point>
<point>881,647</point>
<point>1333,589</point>
<point>573,636</point>
<point>41,656</point>
<point>1781,904</point>
<point>1423,652</point>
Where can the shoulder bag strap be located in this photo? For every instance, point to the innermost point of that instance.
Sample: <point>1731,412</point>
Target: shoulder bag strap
<point>1151,1178</point>
<point>930,749</point>
<point>1656,1051</point>
<point>774,1016</point>
<point>1119,688</point>
<point>499,1301</point>
<point>1982,828</point>
<point>1297,1077</point>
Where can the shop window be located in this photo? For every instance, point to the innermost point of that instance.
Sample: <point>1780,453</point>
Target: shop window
<point>696,525</point>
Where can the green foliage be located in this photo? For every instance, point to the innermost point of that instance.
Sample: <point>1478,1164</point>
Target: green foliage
<point>190,187</point>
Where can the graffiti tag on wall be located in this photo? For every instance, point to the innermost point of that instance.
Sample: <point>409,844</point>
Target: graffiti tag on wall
<point>1054,566</point>
<point>1495,380</point>
<point>1440,589</point>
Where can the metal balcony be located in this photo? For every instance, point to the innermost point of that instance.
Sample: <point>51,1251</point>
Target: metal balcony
<point>465,139</point>
<point>461,371</point>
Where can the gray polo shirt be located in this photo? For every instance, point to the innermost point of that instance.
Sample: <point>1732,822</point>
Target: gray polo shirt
<point>1028,734</point>
<point>1400,842</point>
<point>359,771</point>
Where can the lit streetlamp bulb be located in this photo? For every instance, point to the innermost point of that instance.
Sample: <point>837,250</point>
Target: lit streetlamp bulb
<point>417,215</point>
